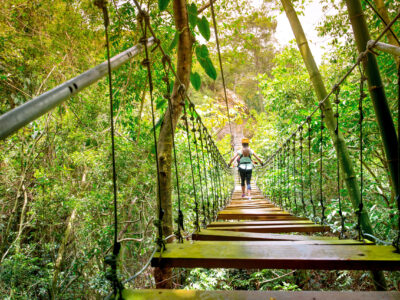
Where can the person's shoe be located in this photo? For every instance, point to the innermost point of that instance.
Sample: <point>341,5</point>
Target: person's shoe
<point>243,195</point>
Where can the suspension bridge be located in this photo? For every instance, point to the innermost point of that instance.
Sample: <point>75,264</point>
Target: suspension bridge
<point>273,229</point>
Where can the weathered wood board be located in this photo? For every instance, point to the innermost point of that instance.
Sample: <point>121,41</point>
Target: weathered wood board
<point>129,294</point>
<point>279,255</point>
<point>276,228</point>
<point>216,235</point>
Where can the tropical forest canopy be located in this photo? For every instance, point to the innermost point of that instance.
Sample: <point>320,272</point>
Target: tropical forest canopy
<point>56,208</point>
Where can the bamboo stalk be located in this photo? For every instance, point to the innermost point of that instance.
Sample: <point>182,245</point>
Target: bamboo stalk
<point>376,90</point>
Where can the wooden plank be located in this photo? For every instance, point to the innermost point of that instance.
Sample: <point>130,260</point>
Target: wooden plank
<point>258,223</point>
<point>253,192</point>
<point>253,201</point>
<point>275,228</point>
<point>250,207</point>
<point>267,255</point>
<point>252,195</point>
<point>253,208</point>
<point>216,235</point>
<point>155,294</point>
<point>242,207</point>
<point>255,205</point>
<point>250,202</point>
<point>252,198</point>
<point>249,213</point>
<point>257,217</point>
<point>261,211</point>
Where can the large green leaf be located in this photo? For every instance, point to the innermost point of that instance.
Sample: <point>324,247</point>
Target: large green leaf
<point>204,27</point>
<point>202,52</point>
<point>195,80</point>
<point>174,41</point>
<point>209,68</point>
<point>192,14</point>
<point>163,4</point>
<point>203,57</point>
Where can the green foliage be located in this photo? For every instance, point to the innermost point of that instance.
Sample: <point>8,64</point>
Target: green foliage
<point>195,80</point>
<point>287,90</point>
<point>174,41</point>
<point>246,39</point>
<point>192,15</point>
<point>285,280</point>
<point>203,58</point>
<point>204,27</point>
<point>204,279</point>
<point>163,4</point>
<point>26,276</point>
<point>284,286</point>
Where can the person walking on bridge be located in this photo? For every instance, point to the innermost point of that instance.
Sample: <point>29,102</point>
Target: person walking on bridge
<point>245,166</point>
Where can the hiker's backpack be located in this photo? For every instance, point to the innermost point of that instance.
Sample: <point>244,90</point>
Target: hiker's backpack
<point>245,159</point>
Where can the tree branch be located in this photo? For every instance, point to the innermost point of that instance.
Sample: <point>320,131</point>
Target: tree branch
<point>205,6</point>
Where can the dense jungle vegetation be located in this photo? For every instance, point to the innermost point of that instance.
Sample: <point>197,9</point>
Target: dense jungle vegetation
<point>56,208</point>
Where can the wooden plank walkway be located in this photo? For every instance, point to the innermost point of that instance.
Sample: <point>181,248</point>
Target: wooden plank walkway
<point>254,233</point>
<point>277,255</point>
<point>258,223</point>
<point>255,295</point>
<point>217,235</point>
<point>277,228</point>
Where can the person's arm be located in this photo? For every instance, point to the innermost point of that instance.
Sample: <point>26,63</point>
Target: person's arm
<point>255,155</point>
<point>233,158</point>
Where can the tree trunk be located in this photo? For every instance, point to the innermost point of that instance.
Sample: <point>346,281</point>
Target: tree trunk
<point>346,165</point>
<point>61,252</point>
<point>184,63</point>
<point>376,91</point>
<point>378,97</point>
<point>21,221</point>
